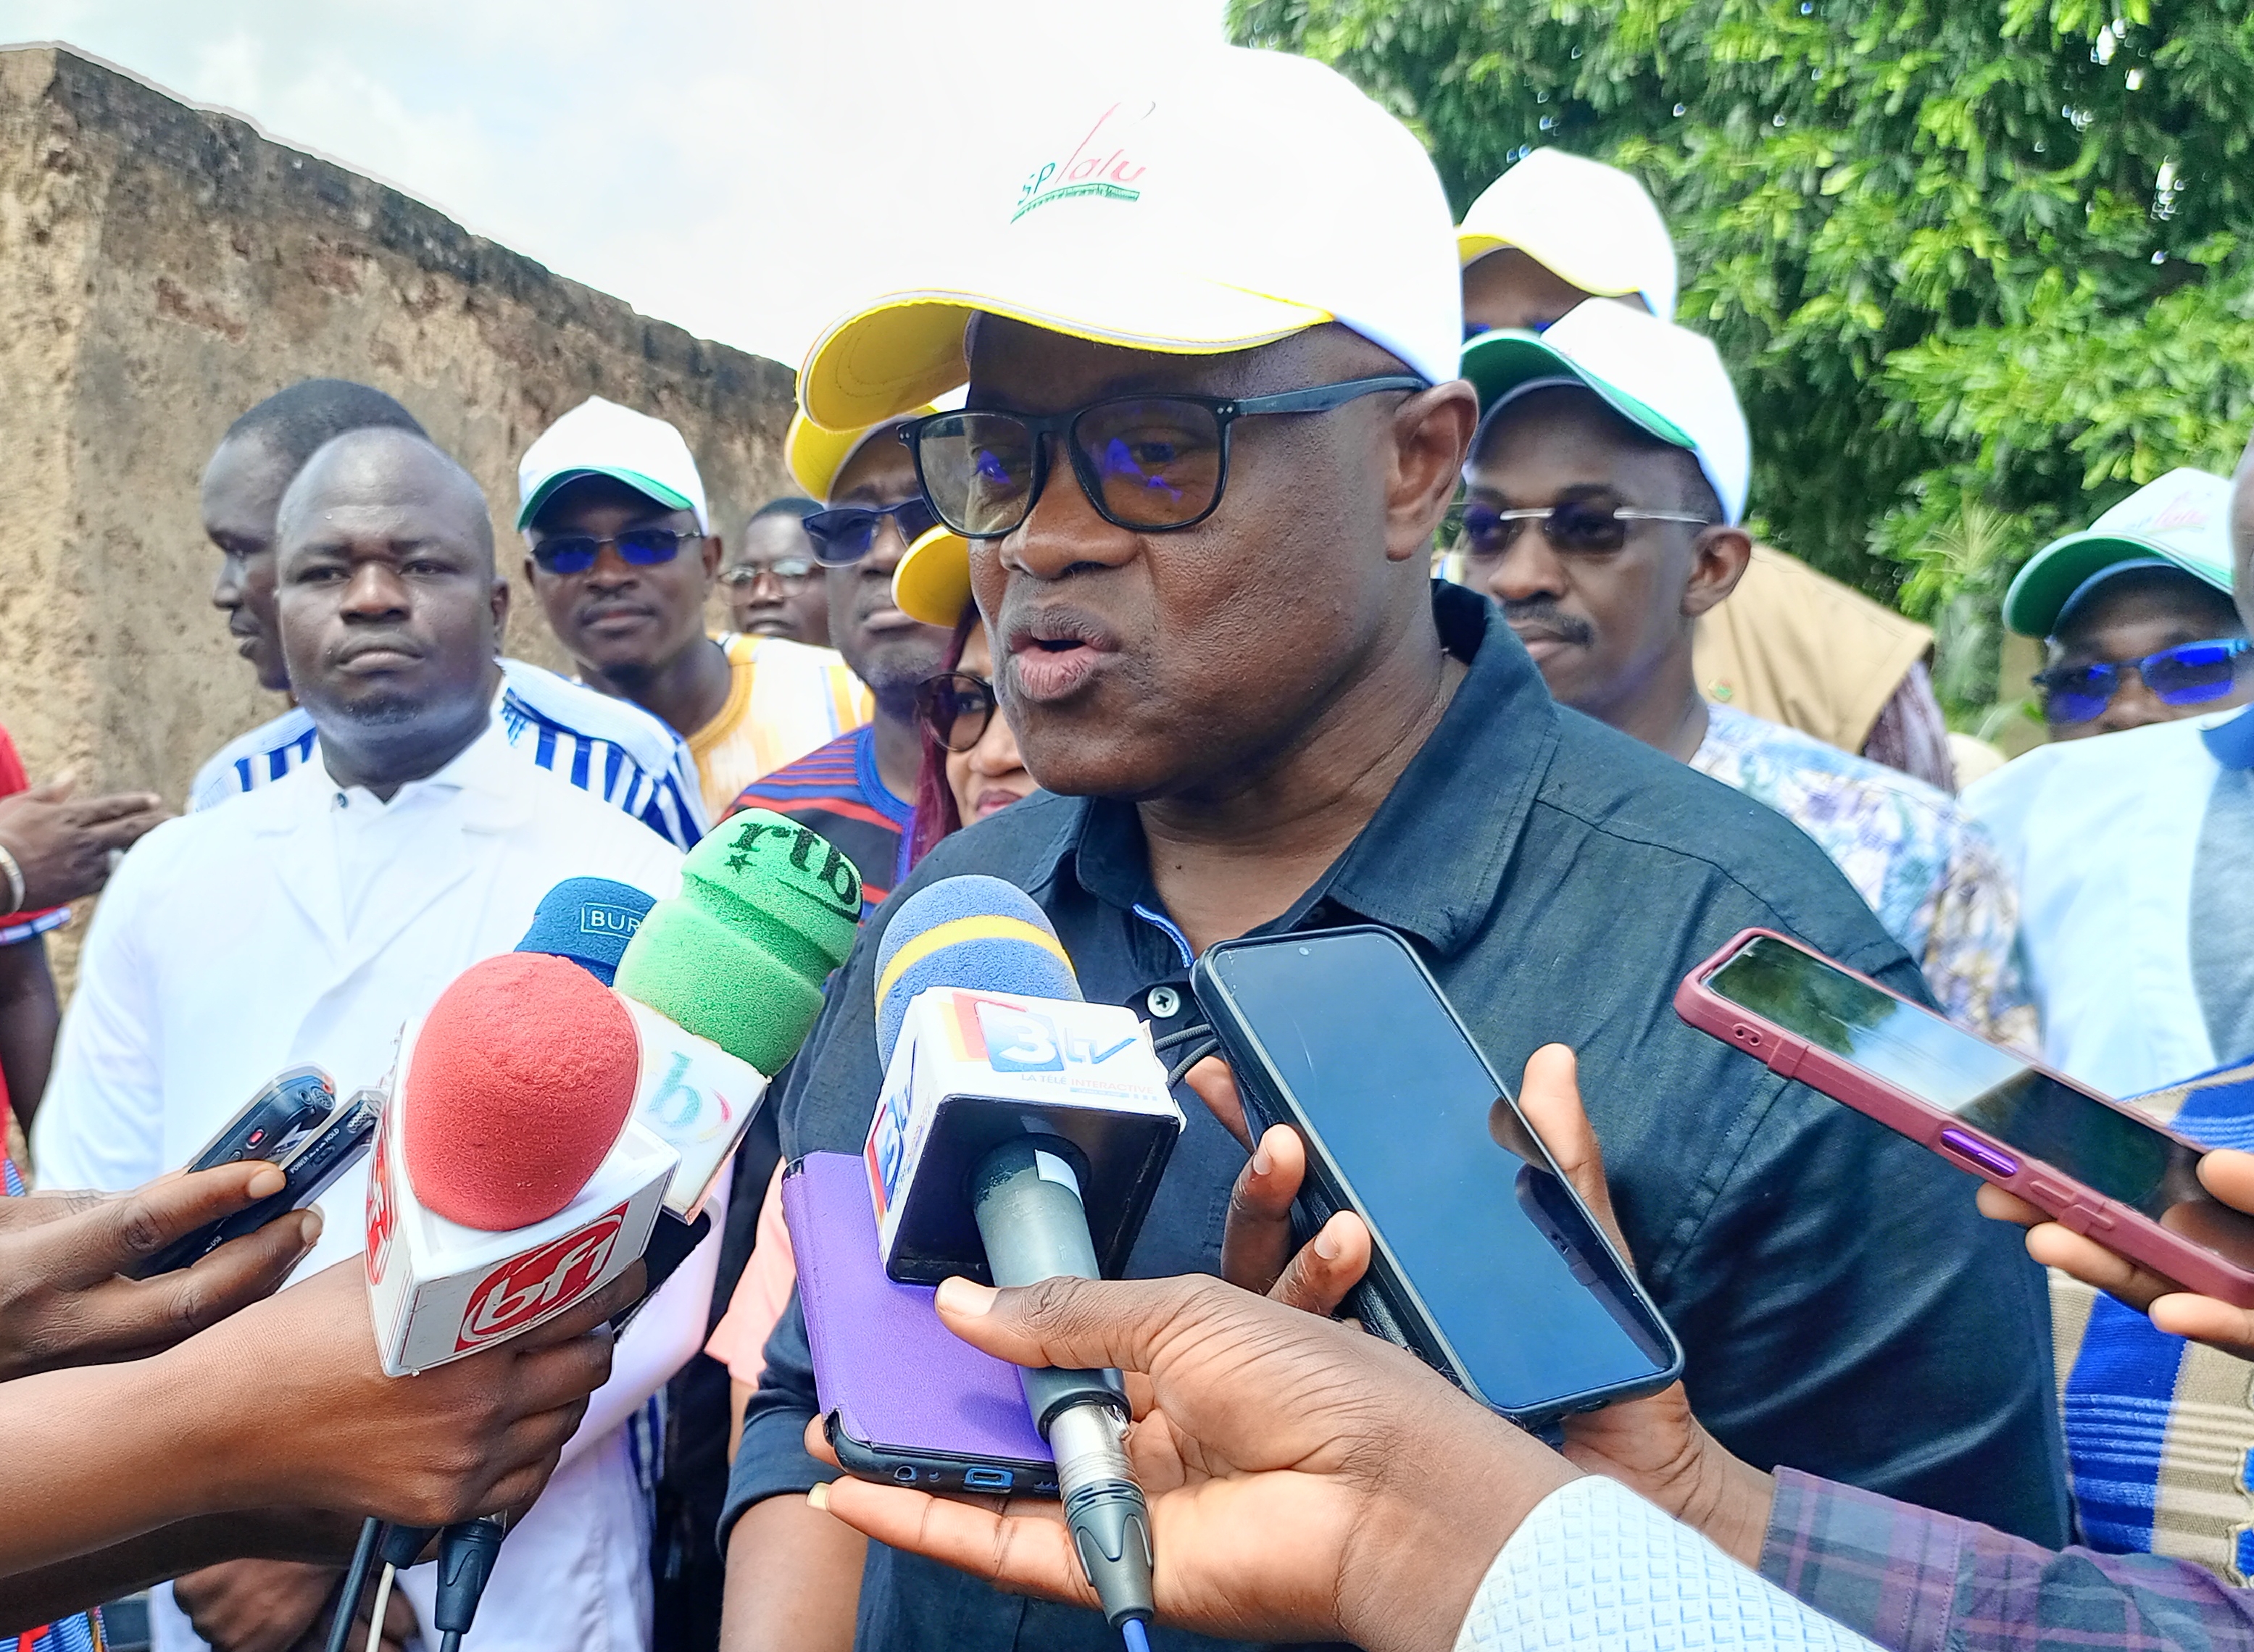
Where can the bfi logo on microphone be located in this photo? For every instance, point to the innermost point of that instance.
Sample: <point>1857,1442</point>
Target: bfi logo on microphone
<point>525,1290</point>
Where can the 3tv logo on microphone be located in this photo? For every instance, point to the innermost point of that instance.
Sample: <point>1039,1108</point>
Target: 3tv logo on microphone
<point>525,1290</point>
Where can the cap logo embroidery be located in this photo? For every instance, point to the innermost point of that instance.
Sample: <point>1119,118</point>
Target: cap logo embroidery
<point>1095,167</point>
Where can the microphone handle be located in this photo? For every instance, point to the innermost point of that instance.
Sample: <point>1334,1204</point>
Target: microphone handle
<point>1025,1199</point>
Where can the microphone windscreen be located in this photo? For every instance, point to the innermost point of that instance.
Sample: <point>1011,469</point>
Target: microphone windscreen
<point>521,1080</point>
<point>973,931</point>
<point>589,921</point>
<point>767,909</point>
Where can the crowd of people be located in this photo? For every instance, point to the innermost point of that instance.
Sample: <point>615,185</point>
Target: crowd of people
<point>1208,546</point>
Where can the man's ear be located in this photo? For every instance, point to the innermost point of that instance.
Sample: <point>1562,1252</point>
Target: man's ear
<point>1718,558</point>
<point>500,604</point>
<point>1431,431</point>
<point>714,548</point>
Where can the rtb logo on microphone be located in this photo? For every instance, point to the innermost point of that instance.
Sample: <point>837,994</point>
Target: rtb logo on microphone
<point>526,1289</point>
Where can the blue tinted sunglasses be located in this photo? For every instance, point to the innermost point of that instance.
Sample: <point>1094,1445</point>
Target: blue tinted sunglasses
<point>641,546</point>
<point>2189,674</point>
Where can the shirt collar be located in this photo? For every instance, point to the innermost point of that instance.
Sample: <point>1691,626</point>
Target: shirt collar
<point>1431,861</point>
<point>488,779</point>
<point>2231,741</point>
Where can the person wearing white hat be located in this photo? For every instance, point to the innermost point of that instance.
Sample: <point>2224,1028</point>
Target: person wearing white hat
<point>1792,644</point>
<point>1606,487</point>
<point>2133,850</point>
<point>2136,611</point>
<point>1210,327</point>
<point>622,555</point>
<point>1556,229</point>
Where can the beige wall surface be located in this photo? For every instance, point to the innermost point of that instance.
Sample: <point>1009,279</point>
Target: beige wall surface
<point>162,269</point>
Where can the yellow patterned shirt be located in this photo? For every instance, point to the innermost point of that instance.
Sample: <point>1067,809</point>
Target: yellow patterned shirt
<point>786,700</point>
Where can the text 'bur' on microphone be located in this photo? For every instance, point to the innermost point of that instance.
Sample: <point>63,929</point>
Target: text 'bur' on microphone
<point>986,1039</point>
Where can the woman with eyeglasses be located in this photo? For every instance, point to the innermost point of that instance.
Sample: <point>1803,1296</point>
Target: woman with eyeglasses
<point>971,767</point>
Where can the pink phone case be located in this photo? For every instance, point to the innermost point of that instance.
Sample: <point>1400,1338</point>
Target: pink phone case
<point>2080,1208</point>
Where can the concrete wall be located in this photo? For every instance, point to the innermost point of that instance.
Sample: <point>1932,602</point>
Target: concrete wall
<point>162,268</point>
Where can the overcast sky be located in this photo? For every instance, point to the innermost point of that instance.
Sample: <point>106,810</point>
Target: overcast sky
<point>731,165</point>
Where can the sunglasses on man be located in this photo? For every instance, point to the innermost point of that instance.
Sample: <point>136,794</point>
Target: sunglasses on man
<point>1149,463</point>
<point>637,547</point>
<point>1575,529</point>
<point>2187,674</point>
<point>844,536</point>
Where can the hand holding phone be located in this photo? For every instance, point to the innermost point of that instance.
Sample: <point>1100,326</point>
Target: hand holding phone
<point>66,1296</point>
<point>2092,1166</point>
<point>1484,1262</point>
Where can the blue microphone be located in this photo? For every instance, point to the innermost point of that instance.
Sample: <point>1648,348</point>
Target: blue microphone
<point>589,921</point>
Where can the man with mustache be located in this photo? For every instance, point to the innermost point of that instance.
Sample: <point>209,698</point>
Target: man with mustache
<point>1210,329</point>
<point>307,921</point>
<point>622,555</point>
<point>1607,486</point>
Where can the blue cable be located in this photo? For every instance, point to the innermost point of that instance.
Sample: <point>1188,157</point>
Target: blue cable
<point>1137,1637</point>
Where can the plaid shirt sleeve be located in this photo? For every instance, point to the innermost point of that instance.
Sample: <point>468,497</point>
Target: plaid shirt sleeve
<point>1916,1581</point>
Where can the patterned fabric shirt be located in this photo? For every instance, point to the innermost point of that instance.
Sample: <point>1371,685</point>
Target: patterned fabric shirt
<point>1924,866</point>
<point>784,701</point>
<point>605,747</point>
<point>1917,1581</point>
<point>838,793</point>
<point>2159,1431</point>
<point>1594,1566</point>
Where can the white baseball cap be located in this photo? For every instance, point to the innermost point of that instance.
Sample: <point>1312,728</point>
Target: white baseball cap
<point>1661,378</point>
<point>602,438</point>
<point>1244,197</point>
<point>2183,520</point>
<point>1585,222</point>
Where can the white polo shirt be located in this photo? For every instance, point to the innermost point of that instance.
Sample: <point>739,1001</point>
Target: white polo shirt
<point>303,922</point>
<point>2134,855</point>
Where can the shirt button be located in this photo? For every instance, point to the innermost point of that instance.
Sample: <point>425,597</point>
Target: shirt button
<point>1164,1002</point>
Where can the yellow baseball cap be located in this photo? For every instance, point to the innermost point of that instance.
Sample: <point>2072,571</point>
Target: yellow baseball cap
<point>932,581</point>
<point>1237,198</point>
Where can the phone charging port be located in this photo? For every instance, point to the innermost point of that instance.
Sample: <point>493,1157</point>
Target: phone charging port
<point>987,1479</point>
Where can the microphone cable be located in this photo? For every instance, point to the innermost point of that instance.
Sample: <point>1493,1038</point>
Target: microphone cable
<point>371,1533</point>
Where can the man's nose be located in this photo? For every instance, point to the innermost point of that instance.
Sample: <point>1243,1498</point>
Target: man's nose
<point>2133,705</point>
<point>375,591</point>
<point>1064,530</point>
<point>611,569</point>
<point>1527,568</point>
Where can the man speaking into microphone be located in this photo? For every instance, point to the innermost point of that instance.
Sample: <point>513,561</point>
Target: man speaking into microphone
<point>1224,656</point>
<point>306,922</point>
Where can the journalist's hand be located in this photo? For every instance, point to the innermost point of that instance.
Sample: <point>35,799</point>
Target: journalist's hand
<point>62,844</point>
<point>2226,1173</point>
<point>475,1436</point>
<point>64,1301</point>
<point>1306,1481</point>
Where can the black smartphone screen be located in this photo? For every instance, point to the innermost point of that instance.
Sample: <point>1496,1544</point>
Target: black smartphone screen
<point>1509,1268</point>
<point>1988,1087</point>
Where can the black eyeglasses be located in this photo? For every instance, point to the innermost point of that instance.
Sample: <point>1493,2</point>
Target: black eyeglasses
<point>788,571</point>
<point>1576,527</point>
<point>2189,674</point>
<point>844,536</point>
<point>642,547</point>
<point>956,706</point>
<point>1152,464</point>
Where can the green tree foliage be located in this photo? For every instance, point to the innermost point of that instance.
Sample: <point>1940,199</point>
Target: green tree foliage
<point>1980,267</point>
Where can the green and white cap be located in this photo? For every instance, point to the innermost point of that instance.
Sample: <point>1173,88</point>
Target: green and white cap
<point>2180,521</point>
<point>1660,378</point>
<point>602,438</point>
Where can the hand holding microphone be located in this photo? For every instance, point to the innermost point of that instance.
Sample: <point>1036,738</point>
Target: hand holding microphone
<point>1022,1134</point>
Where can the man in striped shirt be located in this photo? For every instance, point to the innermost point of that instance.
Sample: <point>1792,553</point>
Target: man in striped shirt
<point>609,748</point>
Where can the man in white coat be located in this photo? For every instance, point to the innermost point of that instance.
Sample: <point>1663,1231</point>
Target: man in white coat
<point>307,921</point>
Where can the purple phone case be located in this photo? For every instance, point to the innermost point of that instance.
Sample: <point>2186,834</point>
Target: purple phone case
<point>899,1380</point>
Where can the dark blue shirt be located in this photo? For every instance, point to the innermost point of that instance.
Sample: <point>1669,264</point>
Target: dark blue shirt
<point>1844,1308</point>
